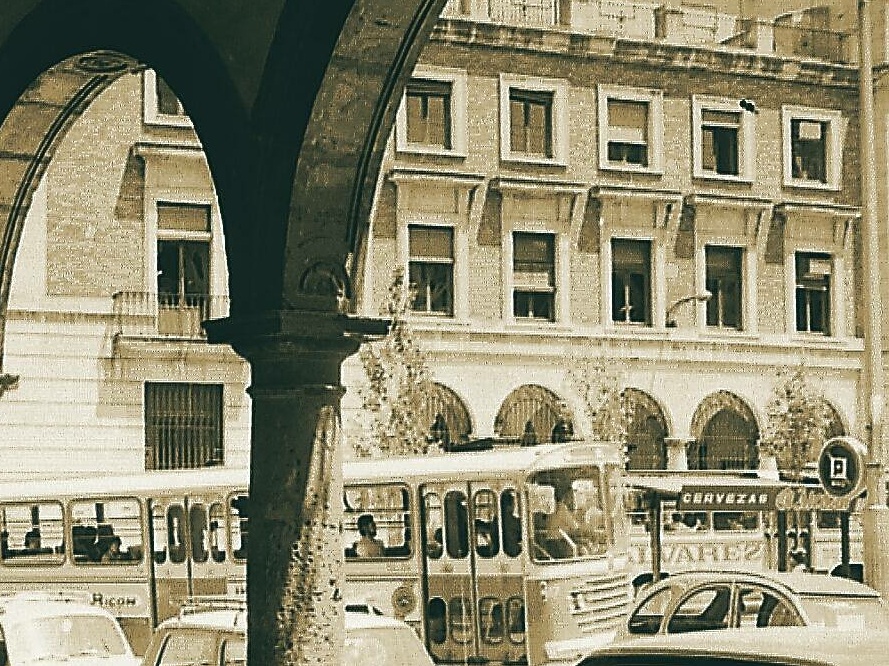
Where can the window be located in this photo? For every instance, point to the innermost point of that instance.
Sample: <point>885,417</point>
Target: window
<point>723,136</point>
<point>238,517</point>
<point>183,268</point>
<point>432,115</point>
<point>161,105</point>
<point>376,521</point>
<point>534,125</point>
<point>531,122</point>
<point>813,270</point>
<point>724,284</point>
<point>631,123</point>
<point>630,281</point>
<point>32,533</point>
<point>431,268</point>
<point>428,109</point>
<point>183,425</point>
<point>812,147</point>
<point>534,276</point>
<point>107,531</point>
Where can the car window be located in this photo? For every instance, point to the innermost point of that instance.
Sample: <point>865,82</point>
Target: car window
<point>762,607</point>
<point>648,616</point>
<point>846,613</point>
<point>188,647</point>
<point>234,652</point>
<point>702,609</point>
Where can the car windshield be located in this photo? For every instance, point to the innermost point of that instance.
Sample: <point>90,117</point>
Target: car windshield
<point>846,612</point>
<point>384,646</point>
<point>63,637</point>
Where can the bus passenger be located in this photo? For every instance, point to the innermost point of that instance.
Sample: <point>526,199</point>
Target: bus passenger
<point>368,545</point>
<point>113,553</point>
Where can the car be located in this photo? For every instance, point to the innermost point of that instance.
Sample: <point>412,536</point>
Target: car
<point>772,646</point>
<point>214,631</point>
<point>704,600</point>
<point>59,628</point>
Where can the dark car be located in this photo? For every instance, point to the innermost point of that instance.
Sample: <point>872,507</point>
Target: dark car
<point>698,601</point>
<point>774,646</point>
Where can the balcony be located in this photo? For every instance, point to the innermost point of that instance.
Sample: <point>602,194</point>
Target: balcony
<point>166,316</point>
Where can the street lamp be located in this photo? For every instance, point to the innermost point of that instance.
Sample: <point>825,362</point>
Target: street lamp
<point>670,320</point>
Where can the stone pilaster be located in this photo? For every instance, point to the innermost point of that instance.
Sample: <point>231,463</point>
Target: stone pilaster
<point>295,552</point>
<point>677,457</point>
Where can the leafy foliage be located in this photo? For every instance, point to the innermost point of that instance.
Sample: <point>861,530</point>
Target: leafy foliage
<point>607,410</point>
<point>397,385</point>
<point>798,420</point>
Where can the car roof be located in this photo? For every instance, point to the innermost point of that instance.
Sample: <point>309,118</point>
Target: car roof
<point>46,604</point>
<point>801,583</point>
<point>806,645</point>
<point>235,619</point>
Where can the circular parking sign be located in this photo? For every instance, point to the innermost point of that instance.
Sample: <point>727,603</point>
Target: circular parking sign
<point>841,466</point>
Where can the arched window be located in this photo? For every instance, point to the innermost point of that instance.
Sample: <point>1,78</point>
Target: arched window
<point>531,414</point>
<point>645,432</point>
<point>447,416</point>
<point>726,434</point>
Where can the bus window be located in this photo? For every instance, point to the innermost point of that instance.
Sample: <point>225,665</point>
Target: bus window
<point>238,523</point>
<point>376,521</point>
<point>176,533</point>
<point>159,533</point>
<point>490,614</point>
<point>487,529</point>
<point>735,521</point>
<point>217,534</point>
<point>511,518</point>
<point>31,532</point>
<point>460,613</point>
<point>456,524</point>
<point>199,528</point>
<point>432,525</point>
<point>515,610</point>
<point>568,516</point>
<point>108,532</point>
<point>436,621</point>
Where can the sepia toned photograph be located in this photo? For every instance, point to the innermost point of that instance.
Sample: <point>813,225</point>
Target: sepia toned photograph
<point>444,332</point>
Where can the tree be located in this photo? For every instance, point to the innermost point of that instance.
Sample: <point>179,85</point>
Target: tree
<point>798,420</point>
<point>397,384</point>
<point>606,408</point>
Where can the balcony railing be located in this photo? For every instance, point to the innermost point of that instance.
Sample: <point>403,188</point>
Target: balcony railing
<point>147,314</point>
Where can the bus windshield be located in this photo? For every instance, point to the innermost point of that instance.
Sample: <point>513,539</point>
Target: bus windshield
<point>568,513</point>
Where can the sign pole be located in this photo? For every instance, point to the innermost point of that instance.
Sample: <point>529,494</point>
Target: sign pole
<point>875,518</point>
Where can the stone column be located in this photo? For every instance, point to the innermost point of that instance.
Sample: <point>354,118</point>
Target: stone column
<point>677,457</point>
<point>294,549</point>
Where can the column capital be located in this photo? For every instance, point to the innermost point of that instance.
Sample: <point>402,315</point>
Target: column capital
<point>290,348</point>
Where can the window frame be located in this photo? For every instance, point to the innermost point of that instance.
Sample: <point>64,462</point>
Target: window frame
<point>216,390</point>
<point>746,138</point>
<point>740,253</point>
<point>555,288</point>
<point>833,146</point>
<point>558,88</point>
<point>649,294</point>
<point>452,262</point>
<point>655,127</point>
<point>457,80</point>
<point>829,319</point>
<point>151,114</point>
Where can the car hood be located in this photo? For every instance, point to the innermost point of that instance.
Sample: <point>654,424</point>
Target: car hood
<point>87,660</point>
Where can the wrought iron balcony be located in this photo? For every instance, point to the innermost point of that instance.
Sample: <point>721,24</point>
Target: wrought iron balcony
<point>147,314</point>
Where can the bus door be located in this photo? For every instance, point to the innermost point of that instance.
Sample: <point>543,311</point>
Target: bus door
<point>472,583</point>
<point>172,576</point>
<point>206,544</point>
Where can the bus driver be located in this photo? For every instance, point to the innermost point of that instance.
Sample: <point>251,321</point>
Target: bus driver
<point>577,526</point>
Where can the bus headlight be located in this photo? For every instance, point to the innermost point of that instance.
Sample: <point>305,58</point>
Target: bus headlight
<point>403,601</point>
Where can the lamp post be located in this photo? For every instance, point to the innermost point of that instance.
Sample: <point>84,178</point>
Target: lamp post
<point>875,518</point>
<point>670,320</point>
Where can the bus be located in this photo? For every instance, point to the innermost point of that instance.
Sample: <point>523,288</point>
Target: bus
<point>176,534</point>
<point>462,546</point>
<point>470,544</point>
<point>749,523</point>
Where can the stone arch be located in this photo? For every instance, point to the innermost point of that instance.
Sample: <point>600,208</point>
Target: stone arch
<point>530,413</point>
<point>447,415</point>
<point>726,434</point>
<point>646,431</point>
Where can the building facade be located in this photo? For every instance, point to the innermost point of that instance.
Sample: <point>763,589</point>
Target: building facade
<point>670,193</point>
<point>121,258</point>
